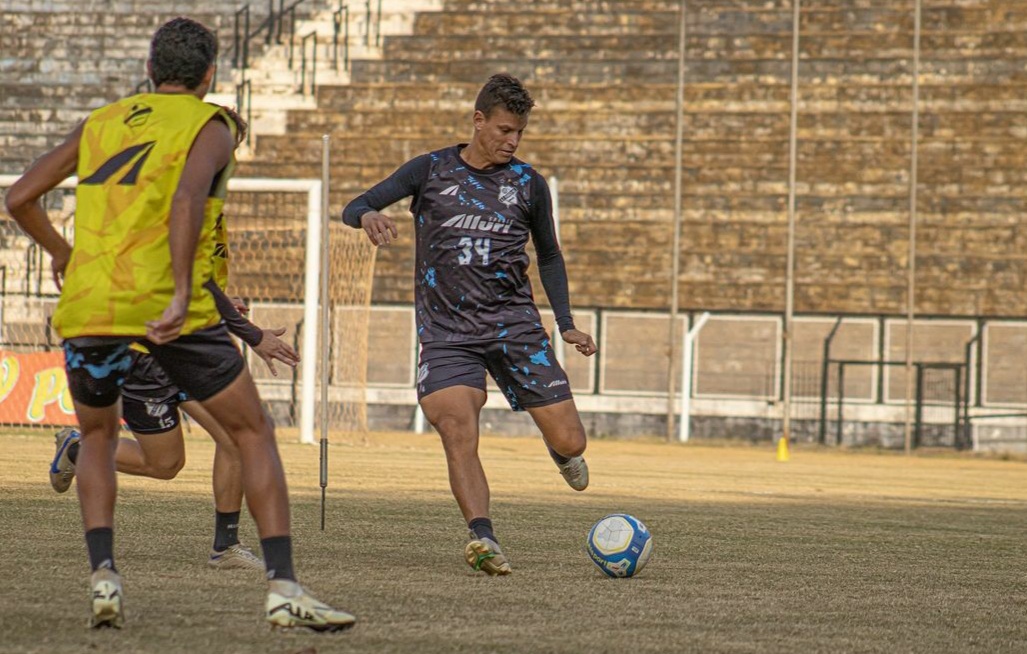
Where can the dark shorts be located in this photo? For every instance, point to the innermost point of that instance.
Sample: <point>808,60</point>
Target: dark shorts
<point>523,366</point>
<point>202,364</point>
<point>149,399</point>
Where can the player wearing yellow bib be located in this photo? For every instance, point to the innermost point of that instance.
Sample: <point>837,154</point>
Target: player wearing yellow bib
<point>143,244</point>
<point>152,405</point>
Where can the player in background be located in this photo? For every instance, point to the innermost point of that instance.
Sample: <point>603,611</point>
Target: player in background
<point>150,168</point>
<point>150,407</point>
<point>475,206</point>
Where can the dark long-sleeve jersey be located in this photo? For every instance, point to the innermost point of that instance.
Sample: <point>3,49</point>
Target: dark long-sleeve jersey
<point>236,323</point>
<point>472,227</point>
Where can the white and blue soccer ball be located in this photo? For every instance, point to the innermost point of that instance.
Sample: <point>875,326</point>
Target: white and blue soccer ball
<point>620,545</point>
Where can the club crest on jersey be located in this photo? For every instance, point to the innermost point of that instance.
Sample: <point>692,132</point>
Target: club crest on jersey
<point>140,114</point>
<point>156,409</point>
<point>508,195</point>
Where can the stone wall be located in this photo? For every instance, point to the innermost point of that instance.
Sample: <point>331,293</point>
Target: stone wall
<point>604,75</point>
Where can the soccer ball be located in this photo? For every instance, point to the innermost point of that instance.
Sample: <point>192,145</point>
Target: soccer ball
<point>620,545</point>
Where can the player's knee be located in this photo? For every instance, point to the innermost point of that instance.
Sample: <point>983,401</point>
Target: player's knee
<point>569,441</point>
<point>456,431</point>
<point>168,468</point>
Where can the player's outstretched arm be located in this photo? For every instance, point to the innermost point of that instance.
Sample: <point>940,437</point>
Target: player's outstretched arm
<point>22,200</point>
<point>380,229</point>
<point>364,211</point>
<point>272,348</point>
<point>265,342</point>
<point>211,151</point>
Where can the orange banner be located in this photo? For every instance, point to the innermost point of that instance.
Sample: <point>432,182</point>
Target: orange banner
<point>34,389</point>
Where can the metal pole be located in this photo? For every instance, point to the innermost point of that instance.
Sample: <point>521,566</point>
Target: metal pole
<point>917,434</point>
<point>841,402</point>
<point>684,426</point>
<point>825,367</point>
<point>676,241</point>
<point>957,421</point>
<point>554,190</point>
<point>786,419</point>
<point>911,282</point>
<point>325,315</point>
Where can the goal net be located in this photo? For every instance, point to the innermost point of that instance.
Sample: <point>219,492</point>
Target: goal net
<point>274,265</point>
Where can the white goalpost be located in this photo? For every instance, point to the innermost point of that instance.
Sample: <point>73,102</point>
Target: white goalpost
<point>276,233</point>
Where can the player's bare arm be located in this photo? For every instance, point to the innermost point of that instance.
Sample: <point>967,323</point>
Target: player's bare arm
<point>23,203</point>
<point>380,229</point>
<point>211,152</point>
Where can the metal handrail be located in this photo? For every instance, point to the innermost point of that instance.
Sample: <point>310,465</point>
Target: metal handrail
<point>241,36</point>
<point>241,40</point>
<point>244,101</point>
<point>378,26</point>
<point>340,23</point>
<point>292,33</point>
<point>367,23</point>
<point>313,64</point>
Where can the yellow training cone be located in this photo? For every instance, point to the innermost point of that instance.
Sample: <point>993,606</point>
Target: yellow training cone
<point>782,449</point>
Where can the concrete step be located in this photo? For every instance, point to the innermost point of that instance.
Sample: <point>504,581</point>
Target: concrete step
<point>276,76</point>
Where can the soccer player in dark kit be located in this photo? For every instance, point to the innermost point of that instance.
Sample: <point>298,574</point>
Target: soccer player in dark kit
<point>475,206</point>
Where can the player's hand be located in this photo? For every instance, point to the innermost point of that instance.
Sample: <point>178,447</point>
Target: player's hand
<point>581,341</point>
<point>272,348</point>
<point>58,262</point>
<point>239,305</point>
<point>379,228</point>
<point>170,324</point>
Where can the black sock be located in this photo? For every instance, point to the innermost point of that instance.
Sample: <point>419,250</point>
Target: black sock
<point>226,530</point>
<point>482,528</point>
<point>556,456</point>
<point>73,452</point>
<point>278,557</point>
<point>100,543</point>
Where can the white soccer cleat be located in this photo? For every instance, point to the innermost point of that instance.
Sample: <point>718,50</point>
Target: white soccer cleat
<point>290,606</point>
<point>484,554</point>
<point>235,557</point>
<point>106,600</point>
<point>575,472</point>
<point>62,470</point>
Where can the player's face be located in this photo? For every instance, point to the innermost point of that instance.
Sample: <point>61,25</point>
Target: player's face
<point>499,135</point>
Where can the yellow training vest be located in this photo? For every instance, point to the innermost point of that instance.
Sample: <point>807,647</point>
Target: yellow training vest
<point>131,157</point>
<point>215,207</point>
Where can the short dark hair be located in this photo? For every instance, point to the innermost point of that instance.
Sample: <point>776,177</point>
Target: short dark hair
<point>181,52</point>
<point>506,91</point>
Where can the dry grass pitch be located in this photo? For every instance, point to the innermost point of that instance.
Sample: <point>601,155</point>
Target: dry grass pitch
<point>830,552</point>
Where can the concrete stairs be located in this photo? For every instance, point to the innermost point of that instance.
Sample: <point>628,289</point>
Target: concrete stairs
<point>317,52</point>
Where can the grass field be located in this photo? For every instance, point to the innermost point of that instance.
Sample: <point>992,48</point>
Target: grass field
<point>830,552</point>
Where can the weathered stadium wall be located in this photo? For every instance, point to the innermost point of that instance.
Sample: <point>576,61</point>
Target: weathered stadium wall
<point>604,74</point>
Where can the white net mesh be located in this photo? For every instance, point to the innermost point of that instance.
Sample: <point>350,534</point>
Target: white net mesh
<point>267,241</point>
